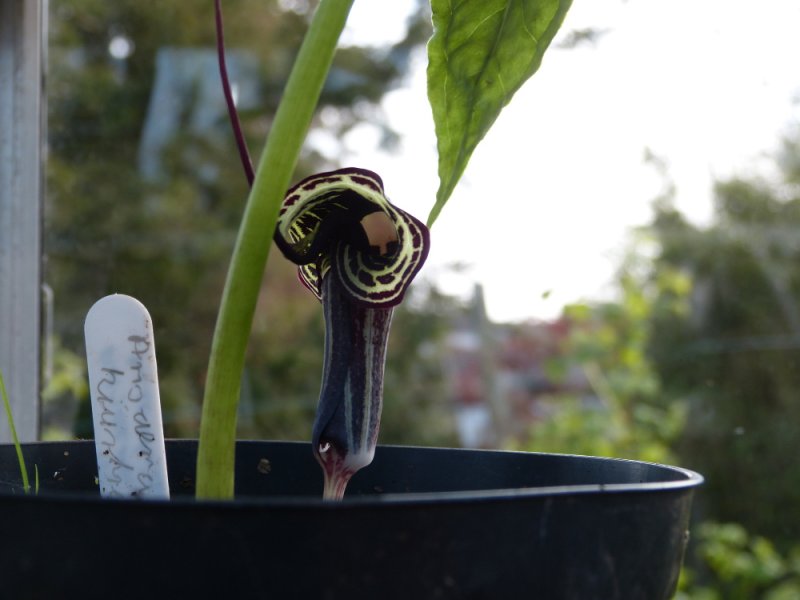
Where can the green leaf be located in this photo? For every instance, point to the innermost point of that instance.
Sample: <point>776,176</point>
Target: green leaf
<point>481,53</point>
<point>17,446</point>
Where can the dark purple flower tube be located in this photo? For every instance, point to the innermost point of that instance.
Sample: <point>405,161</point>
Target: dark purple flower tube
<point>358,253</point>
<point>348,418</point>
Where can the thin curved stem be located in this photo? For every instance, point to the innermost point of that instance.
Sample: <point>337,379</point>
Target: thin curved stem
<point>241,143</point>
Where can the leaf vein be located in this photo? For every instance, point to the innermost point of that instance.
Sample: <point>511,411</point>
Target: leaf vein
<point>463,153</point>
<point>525,21</point>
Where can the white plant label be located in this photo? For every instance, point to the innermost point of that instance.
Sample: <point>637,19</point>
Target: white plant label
<point>126,408</point>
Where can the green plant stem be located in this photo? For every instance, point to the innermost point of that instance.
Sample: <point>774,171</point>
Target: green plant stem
<point>215,459</point>
<point>22,469</point>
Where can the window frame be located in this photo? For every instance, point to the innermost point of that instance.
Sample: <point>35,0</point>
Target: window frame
<point>23,26</point>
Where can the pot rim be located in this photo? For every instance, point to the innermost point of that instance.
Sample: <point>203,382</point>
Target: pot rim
<point>686,480</point>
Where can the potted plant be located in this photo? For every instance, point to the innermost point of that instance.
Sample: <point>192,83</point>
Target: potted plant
<point>418,522</point>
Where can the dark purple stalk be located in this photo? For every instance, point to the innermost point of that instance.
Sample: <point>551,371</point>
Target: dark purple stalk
<point>241,144</point>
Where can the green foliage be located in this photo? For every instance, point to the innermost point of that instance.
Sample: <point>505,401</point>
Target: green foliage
<point>480,54</point>
<point>740,566</point>
<point>65,392</point>
<point>734,353</point>
<point>626,414</point>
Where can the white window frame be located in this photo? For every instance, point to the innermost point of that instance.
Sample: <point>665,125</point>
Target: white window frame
<point>22,133</point>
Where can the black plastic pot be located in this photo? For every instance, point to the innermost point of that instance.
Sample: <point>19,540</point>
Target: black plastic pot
<point>418,523</point>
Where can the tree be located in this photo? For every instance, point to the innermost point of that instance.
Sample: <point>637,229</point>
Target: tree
<point>623,412</point>
<point>735,354</point>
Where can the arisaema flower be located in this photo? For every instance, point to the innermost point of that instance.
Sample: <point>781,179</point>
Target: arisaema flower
<point>357,253</point>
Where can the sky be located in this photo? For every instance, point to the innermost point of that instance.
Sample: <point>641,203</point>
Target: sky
<point>543,214</point>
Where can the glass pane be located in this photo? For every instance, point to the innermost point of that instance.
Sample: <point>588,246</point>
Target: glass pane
<point>616,275</point>
<point>21,156</point>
